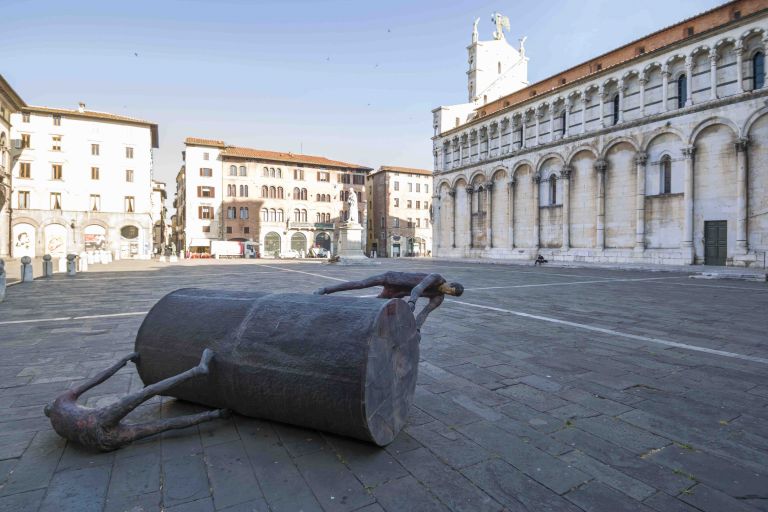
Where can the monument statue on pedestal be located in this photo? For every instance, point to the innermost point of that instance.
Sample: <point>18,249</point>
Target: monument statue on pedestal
<point>353,217</point>
<point>351,239</point>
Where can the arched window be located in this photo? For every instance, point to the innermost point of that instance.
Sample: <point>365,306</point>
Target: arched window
<point>265,172</point>
<point>264,191</point>
<point>279,192</point>
<point>233,170</point>
<point>304,194</point>
<point>303,215</point>
<point>279,172</point>
<point>480,200</point>
<point>244,212</point>
<point>243,171</point>
<point>296,192</point>
<point>273,215</point>
<point>562,123</point>
<point>264,215</point>
<point>682,90</point>
<point>665,175</point>
<point>520,135</point>
<point>553,189</point>
<point>241,191</point>
<point>758,70</point>
<point>272,172</point>
<point>296,215</point>
<point>319,197</point>
<point>280,215</point>
<point>317,217</point>
<point>272,192</point>
<point>246,191</point>
<point>616,107</point>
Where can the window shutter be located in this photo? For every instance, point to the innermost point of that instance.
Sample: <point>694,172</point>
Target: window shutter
<point>213,191</point>
<point>199,191</point>
<point>200,212</point>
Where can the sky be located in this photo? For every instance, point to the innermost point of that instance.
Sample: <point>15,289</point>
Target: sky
<point>350,80</point>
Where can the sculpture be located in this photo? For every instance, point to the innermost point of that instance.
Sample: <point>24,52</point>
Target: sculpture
<point>501,22</point>
<point>352,202</point>
<point>342,364</point>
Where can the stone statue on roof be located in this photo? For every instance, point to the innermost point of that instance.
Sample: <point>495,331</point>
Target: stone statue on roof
<point>501,22</point>
<point>474,30</point>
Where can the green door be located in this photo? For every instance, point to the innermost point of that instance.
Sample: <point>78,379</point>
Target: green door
<point>715,242</point>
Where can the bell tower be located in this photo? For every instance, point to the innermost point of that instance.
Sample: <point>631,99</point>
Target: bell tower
<point>496,68</point>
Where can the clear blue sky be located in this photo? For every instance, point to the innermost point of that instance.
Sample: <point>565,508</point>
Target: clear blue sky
<point>351,80</point>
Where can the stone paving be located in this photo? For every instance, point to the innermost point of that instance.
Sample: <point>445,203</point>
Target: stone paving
<point>541,389</point>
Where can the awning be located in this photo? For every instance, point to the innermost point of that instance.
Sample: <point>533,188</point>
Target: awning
<point>200,242</point>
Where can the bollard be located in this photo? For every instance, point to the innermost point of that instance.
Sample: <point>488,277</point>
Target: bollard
<point>62,264</point>
<point>173,258</point>
<point>47,266</point>
<point>103,257</point>
<point>71,264</point>
<point>117,255</point>
<point>89,258</point>
<point>2,280</point>
<point>83,261</point>
<point>26,270</point>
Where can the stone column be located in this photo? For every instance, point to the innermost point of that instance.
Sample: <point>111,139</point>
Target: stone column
<point>537,115</point>
<point>566,117</point>
<point>436,221</point>
<point>511,216</point>
<point>689,81</point>
<point>740,68</point>
<point>640,161</point>
<point>565,175</point>
<point>620,118</point>
<point>643,82</point>
<point>536,180</point>
<point>489,215</point>
<point>687,242</point>
<point>600,167</point>
<point>522,131</point>
<point>742,242</point>
<point>452,193</point>
<point>470,191</point>
<point>552,123</point>
<point>584,112</point>
<point>601,95</point>
<point>713,74</point>
<point>664,88</point>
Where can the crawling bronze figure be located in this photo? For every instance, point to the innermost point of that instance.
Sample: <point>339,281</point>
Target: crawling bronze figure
<point>103,429</point>
<point>340,364</point>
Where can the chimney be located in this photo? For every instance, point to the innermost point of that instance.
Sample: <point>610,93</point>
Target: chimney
<point>81,108</point>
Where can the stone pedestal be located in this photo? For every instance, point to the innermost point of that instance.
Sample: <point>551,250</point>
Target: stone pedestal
<point>351,240</point>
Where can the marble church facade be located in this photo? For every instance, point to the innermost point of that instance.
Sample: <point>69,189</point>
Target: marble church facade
<point>656,152</point>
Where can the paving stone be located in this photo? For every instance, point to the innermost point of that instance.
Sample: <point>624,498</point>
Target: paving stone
<point>539,465</point>
<point>334,486</point>
<point>594,402</point>
<point>202,505</point>
<point>515,490</point>
<point>542,383</point>
<point>135,476</point>
<point>533,418</point>
<point>708,499</point>
<point>78,490</point>
<point>29,500</point>
<point>573,411</point>
<point>149,502</point>
<point>609,476</point>
<point>35,468</point>
<point>13,445</point>
<point>369,463</point>
<point>184,480</point>
<point>540,400</point>
<point>407,494</point>
<point>257,505</point>
<point>622,434</point>
<point>230,474</point>
<point>448,444</point>
<point>448,412</point>
<point>663,502</point>
<point>450,486</point>
<point>285,490</point>
<point>721,474</point>
<point>598,497</point>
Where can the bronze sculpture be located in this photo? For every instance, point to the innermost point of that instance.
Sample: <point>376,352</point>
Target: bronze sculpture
<point>341,364</point>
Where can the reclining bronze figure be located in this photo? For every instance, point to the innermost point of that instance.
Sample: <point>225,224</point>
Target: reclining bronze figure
<point>335,363</point>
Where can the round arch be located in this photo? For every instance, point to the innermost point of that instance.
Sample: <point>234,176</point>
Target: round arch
<point>618,140</point>
<point>519,165</point>
<point>299,242</point>
<point>658,133</point>
<point>323,239</point>
<point>581,149</point>
<point>711,122</point>
<point>272,244</point>
<point>478,174</point>
<point>459,179</point>
<point>499,170</point>
<point>545,158</point>
<point>752,120</point>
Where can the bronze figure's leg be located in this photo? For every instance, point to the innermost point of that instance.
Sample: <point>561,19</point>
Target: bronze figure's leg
<point>379,280</point>
<point>418,290</point>
<point>115,412</point>
<point>142,430</point>
<point>101,377</point>
<point>434,303</point>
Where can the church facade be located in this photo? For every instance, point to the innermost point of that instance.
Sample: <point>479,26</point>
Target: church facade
<point>656,152</point>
